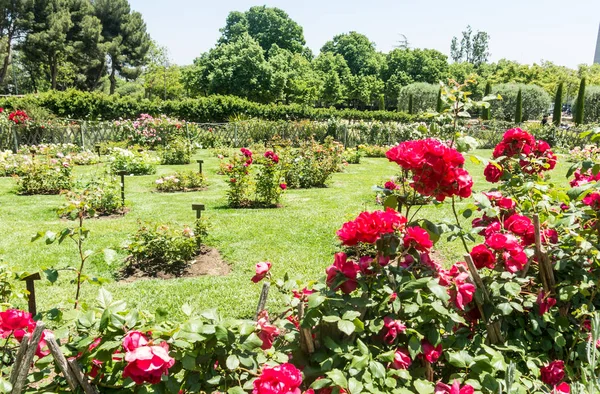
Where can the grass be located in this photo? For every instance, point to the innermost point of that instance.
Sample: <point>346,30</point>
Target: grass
<point>299,238</point>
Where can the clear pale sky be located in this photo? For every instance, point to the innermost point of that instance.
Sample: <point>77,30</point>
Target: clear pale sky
<point>527,31</point>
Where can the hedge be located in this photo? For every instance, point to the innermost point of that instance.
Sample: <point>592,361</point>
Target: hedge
<point>424,97</point>
<point>536,102</point>
<point>98,106</point>
<point>591,112</point>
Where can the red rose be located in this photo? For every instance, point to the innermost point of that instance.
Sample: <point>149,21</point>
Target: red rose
<point>496,241</point>
<point>344,269</point>
<point>368,227</point>
<point>592,200</point>
<point>550,235</point>
<point>515,260</point>
<point>271,155</point>
<point>544,303</point>
<point>483,257</point>
<point>506,203</point>
<point>518,224</point>
<point>246,152</point>
<point>418,238</point>
<point>463,294</point>
<point>267,331</point>
<point>282,379</point>
<point>148,363</point>
<point>562,388</point>
<point>133,340</point>
<point>282,186</point>
<point>442,388</point>
<point>262,269</point>
<point>553,373</point>
<point>401,359</point>
<point>13,320</point>
<point>391,329</point>
<point>492,173</point>
<point>430,352</point>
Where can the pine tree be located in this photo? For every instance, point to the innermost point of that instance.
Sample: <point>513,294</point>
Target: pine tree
<point>486,113</point>
<point>382,102</point>
<point>558,105</point>
<point>439,106</point>
<point>410,104</point>
<point>580,103</point>
<point>519,110</point>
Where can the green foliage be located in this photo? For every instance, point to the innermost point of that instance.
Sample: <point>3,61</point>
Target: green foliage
<point>182,181</point>
<point>557,115</point>
<point>486,112</point>
<point>592,104</point>
<point>535,101</point>
<point>519,108</point>
<point>312,164</point>
<point>177,151</point>
<point>358,51</point>
<point>580,103</point>
<point>45,177</point>
<point>473,48</point>
<point>162,248</point>
<point>422,96</point>
<point>99,197</point>
<point>133,163</point>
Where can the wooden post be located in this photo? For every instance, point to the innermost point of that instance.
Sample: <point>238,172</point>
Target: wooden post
<point>19,358</point>
<point>200,165</point>
<point>20,378</point>
<point>82,378</point>
<point>306,340</point>
<point>493,329</point>
<point>198,208</point>
<point>98,150</point>
<point>262,301</point>
<point>15,136</point>
<point>30,283</point>
<point>546,271</point>
<point>122,174</point>
<point>61,362</point>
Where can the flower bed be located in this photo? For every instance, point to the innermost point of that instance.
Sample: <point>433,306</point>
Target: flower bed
<point>183,181</point>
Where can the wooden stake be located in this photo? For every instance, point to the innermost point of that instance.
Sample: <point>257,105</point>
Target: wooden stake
<point>19,358</point>
<point>82,378</point>
<point>200,165</point>
<point>23,370</point>
<point>198,208</point>
<point>122,174</point>
<point>306,340</point>
<point>262,301</point>
<point>546,270</point>
<point>61,361</point>
<point>30,283</point>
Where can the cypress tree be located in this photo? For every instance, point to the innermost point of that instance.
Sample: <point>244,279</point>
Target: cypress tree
<point>410,104</point>
<point>382,102</point>
<point>558,105</point>
<point>485,114</point>
<point>439,105</point>
<point>580,103</point>
<point>519,110</point>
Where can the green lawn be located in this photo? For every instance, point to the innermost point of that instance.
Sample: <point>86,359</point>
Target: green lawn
<point>298,238</point>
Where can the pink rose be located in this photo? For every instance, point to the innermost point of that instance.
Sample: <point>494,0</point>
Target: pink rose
<point>148,363</point>
<point>262,269</point>
<point>401,359</point>
<point>282,379</point>
<point>133,340</point>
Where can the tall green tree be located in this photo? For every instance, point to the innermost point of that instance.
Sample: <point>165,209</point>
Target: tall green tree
<point>580,104</point>
<point>473,47</point>
<point>268,26</point>
<point>14,18</point>
<point>410,104</point>
<point>486,112</point>
<point>358,51</point>
<point>519,108</point>
<point>126,41</point>
<point>161,79</point>
<point>556,116</point>
<point>336,78</point>
<point>293,78</point>
<point>439,104</point>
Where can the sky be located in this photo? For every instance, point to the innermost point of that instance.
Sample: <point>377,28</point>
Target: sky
<point>527,31</point>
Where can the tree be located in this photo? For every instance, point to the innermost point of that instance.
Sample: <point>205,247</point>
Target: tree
<point>336,77</point>
<point>519,108</point>
<point>365,90</point>
<point>238,68</point>
<point>410,104</point>
<point>556,116</point>
<point>473,48</point>
<point>293,78</point>
<point>439,104</point>
<point>268,26</point>
<point>13,22</point>
<point>580,104</point>
<point>357,50</point>
<point>46,40</point>
<point>126,41</point>
<point>160,78</point>
<point>485,114</point>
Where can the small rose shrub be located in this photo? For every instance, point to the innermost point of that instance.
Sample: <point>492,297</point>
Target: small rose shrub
<point>177,151</point>
<point>100,197</point>
<point>588,152</point>
<point>352,156</point>
<point>149,131</point>
<point>133,163</point>
<point>373,150</point>
<point>167,248</point>
<point>40,177</point>
<point>182,181</point>
<point>11,164</point>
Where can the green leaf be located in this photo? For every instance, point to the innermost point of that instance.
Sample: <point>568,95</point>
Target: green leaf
<point>251,343</point>
<point>439,290</point>
<point>104,298</point>
<point>377,369</point>
<point>232,362</point>
<point>423,386</point>
<point>320,383</point>
<point>460,359</point>
<point>314,300</point>
<point>505,308</point>
<point>222,334</point>
<point>391,202</point>
<point>350,315</point>
<point>110,256</point>
<point>331,318</point>
<point>338,378</point>
<point>51,274</point>
<point>345,326</point>
<point>362,348</point>
<point>5,386</point>
<point>414,346</point>
<point>512,288</point>
<point>354,386</point>
<point>236,390</point>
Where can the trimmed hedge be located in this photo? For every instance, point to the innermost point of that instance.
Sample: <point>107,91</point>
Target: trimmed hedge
<point>98,106</point>
<point>536,102</point>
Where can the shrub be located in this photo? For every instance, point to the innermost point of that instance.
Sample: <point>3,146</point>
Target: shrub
<point>422,95</point>
<point>486,113</point>
<point>312,164</point>
<point>177,151</point>
<point>165,248</point>
<point>557,113</point>
<point>183,181</point>
<point>11,164</point>
<point>269,182</point>
<point>85,158</point>
<point>352,156</point>
<point>134,163</point>
<point>240,181</point>
<point>592,104</point>
<point>536,101</point>
<point>97,198</point>
<point>373,150</point>
<point>50,177</point>
<point>519,108</point>
<point>147,130</point>
<point>580,104</point>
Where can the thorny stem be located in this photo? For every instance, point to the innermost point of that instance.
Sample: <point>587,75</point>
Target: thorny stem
<point>82,257</point>
<point>460,234</point>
